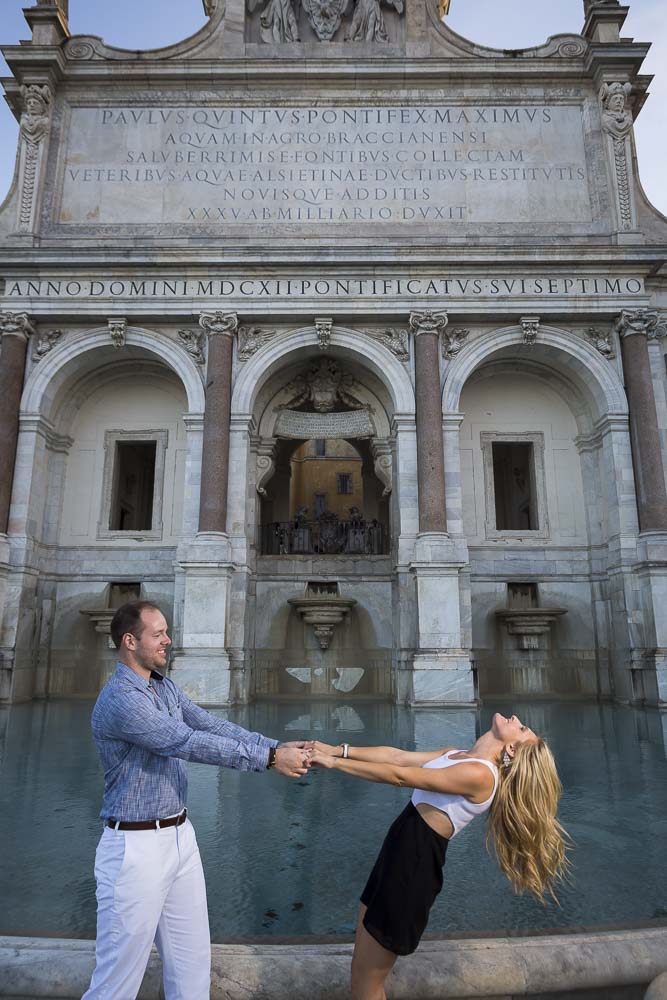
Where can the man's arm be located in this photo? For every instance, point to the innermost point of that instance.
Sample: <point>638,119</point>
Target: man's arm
<point>201,720</point>
<point>134,718</point>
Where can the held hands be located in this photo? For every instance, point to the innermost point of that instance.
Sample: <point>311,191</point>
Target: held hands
<point>325,748</point>
<point>320,759</point>
<point>292,760</point>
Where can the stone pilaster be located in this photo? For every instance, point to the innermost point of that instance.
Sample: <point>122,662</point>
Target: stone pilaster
<point>427,327</point>
<point>33,146</point>
<point>635,329</point>
<point>220,328</point>
<point>616,116</point>
<point>15,328</point>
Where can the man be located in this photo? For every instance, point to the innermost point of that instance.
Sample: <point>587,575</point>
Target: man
<point>150,883</point>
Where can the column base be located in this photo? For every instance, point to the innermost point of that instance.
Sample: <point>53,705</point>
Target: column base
<point>444,679</point>
<point>205,676</point>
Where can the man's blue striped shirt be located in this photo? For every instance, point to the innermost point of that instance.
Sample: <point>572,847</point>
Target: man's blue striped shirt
<point>144,730</point>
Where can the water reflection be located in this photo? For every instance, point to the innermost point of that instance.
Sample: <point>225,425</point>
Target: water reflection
<point>285,858</point>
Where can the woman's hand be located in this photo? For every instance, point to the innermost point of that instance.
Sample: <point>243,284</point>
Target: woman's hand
<point>324,748</point>
<point>319,759</point>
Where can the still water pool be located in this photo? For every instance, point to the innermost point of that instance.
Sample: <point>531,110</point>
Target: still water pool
<point>290,857</point>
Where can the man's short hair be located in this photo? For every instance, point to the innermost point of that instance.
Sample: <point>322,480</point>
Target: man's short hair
<point>128,619</point>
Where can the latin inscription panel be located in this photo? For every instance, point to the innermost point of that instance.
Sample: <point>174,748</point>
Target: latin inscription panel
<point>435,166</point>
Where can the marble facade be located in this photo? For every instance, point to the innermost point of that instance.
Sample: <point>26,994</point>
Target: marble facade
<point>461,231</point>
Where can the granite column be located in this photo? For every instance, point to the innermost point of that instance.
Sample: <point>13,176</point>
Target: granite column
<point>215,453</point>
<point>635,329</point>
<point>15,329</point>
<point>427,328</point>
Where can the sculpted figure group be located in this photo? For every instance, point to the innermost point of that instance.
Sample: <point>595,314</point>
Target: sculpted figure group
<point>279,24</point>
<point>150,882</point>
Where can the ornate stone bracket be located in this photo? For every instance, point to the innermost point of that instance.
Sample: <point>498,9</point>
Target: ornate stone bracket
<point>617,123</point>
<point>251,338</point>
<point>453,341</point>
<point>382,463</point>
<point>602,341</point>
<point>323,328</point>
<point>15,325</point>
<point>45,343</point>
<point>395,340</point>
<point>34,128</point>
<point>192,342</point>
<point>117,331</point>
<point>217,323</point>
<point>530,326</point>
<point>265,464</point>
<point>645,322</point>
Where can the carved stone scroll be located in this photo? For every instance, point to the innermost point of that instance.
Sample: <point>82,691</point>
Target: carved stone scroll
<point>297,424</point>
<point>219,323</point>
<point>382,463</point>
<point>266,464</point>
<point>34,128</point>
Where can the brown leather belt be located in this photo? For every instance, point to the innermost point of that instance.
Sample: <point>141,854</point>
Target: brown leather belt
<point>149,824</point>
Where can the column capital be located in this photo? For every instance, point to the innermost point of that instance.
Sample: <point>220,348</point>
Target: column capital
<point>15,325</point>
<point>640,322</point>
<point>218,322</point>
<point>428,322</point>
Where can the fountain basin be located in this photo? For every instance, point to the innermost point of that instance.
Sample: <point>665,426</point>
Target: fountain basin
<point>529,623</point>
<point>323,613</point>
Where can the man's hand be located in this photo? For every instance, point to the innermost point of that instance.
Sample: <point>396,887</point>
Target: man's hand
<point>301,744</point>
<point>291,760</point>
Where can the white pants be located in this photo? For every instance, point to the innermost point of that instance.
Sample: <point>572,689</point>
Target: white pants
<point>150,887</point>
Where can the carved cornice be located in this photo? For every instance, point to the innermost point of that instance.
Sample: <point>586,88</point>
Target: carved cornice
<point>15,325</point>
<point>641,322</point>
<point>428,322</point>
<point>219,323</point>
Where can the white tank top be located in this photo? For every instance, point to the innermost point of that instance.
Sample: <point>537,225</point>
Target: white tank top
<point>459,809</point>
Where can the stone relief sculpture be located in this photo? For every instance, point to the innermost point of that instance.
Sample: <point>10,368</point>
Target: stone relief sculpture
<point>117,332</point>
<point>530,326</point>
<point>617,122</point>
<point>602,341</point>
<point>45,343</point>
<point>325,16</point>
<point>323,385</point>
<point>192,342</point>
<point>251,338</point>
<point>368,23</point>
<point>277,21</point>
<point>34,126</point>
<point>453,341</point>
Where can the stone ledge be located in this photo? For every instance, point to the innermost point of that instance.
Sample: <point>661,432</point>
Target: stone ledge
<point>602,963</point>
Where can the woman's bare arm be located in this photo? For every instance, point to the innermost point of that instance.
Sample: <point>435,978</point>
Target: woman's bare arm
<point>380,755</point>
<point>471,779</point>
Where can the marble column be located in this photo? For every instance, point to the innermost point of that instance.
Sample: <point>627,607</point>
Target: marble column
<point>220,328</point>
<point>15,329</point>
<point>427,328</point>
<point>635,329</point>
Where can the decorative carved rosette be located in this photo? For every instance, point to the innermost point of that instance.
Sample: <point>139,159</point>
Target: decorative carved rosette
<point>192,342</point>
<point>453,341</point>
<point>117,331</point>
<point>218,323</point>
<point>530,326</point>
<point>15,325</point>
<point>45,343</point>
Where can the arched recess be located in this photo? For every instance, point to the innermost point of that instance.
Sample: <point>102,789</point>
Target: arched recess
<point>595,378</point>
<point>87,350</point>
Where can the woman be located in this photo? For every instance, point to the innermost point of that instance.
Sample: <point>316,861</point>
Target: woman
<point>509,771</point>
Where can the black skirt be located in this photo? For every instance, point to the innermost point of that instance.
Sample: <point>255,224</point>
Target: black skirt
<point>405,880</point>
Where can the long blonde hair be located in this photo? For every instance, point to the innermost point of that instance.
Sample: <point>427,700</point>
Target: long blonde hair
<point>528,841</point>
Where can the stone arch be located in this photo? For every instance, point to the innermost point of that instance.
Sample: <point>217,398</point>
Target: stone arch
<point>595,378</point>
<point>270,359</point>
<point>53,372</point>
